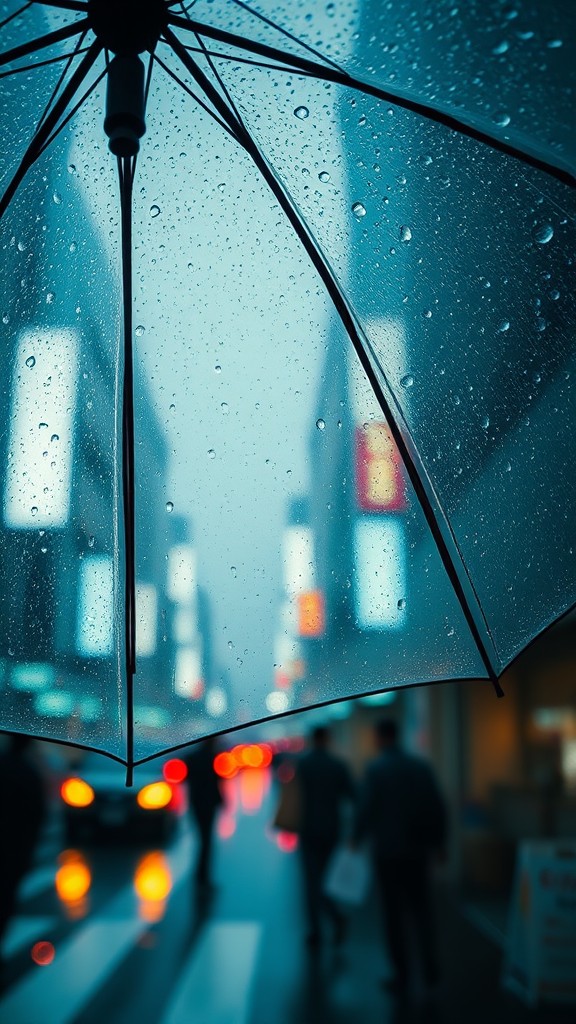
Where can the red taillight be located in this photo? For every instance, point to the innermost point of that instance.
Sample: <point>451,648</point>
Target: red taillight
<point>174,770</point>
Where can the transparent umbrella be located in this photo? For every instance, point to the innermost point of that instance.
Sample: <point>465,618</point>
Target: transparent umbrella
<point>288,408</point>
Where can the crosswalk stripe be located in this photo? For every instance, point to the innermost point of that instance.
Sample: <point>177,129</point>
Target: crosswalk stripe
<point>56,994</point>
<point>216,981</point>
<point>25,931</point>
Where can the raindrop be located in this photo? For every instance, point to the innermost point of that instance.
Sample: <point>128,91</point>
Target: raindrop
<point>50,296</point>
<point>405,233</point>
<point>427,313</point>
<point>34,510</point>
<point>230,645</point>
<point>554,44</point>
<point>21,247</point>
<point>451,631</point>
<point>485,422</point>
<point>358,210</point>
<point>401,604</point>
<point>501,118</point>
<point>320,424</point>
<point>542,233</point>
<point>234,571</point>
<point>43,426</point>
<point>211,453</point>
<point>425,160</point>
<point>73,247</point>
<point>554,294</point>
<point>407,380</point>
<point>154,210</point>
<point>169,506</point>
<point>43,550</point>
<point>55,437</point>
<point>536,378</point>
<point>540,323</point>
<point>225,407</point>
<point>139,331</point>
<point>301,113</point>
<point>508,467</point>
<point>91,541</point>
<point>172,407</point>
<point>57,198</point>
<point>222,186</point>
<point>324,176</point>
<point>217,369</point>
<point>71,169</point>
<point>504,325</point>
<point>30,362</point>
<point>502,47</point>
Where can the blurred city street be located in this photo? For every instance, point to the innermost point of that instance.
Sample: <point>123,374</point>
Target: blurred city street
<point>119,934</point>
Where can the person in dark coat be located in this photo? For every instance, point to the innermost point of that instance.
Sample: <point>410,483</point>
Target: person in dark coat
<point>325,785</point>
<point>22,812</point>
<point>403,813</point>
<point>204,800</point>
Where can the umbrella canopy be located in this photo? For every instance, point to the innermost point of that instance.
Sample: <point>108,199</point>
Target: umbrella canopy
<point>288,409</point>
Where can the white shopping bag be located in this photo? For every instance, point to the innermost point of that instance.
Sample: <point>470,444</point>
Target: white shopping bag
<point>348,876</point>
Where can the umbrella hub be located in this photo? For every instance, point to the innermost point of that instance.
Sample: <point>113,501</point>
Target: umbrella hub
<point>128,27</point>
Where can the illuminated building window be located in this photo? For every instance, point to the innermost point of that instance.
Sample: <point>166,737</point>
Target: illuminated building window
<point>146,619</point>
<point>38,481</point>
<point>380,573</point>
<point>182,576</point>
<point>95,624</point>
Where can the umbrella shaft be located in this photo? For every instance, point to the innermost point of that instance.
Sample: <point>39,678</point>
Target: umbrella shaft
<point>125,105</point>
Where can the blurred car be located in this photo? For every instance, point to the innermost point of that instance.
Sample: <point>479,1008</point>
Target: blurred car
<point>96,802</point>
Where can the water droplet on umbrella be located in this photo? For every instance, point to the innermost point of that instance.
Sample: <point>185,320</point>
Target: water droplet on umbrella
<point>43,426</point>
<point>536,377</point>
<point>34,510</point>
<point>230,645</point>
<point>55,437</point>
<point>224,406</point>
<point>542,233</point>
<point>320,424</point>
<point>504,325</point>
<point>324,176</point>
<point>91,541</point>
<point>73,247</point>
<point>21,247</point>
<point>71,169</point>
<point>358,210</point>
<point>401,604</point>
<point>169,506</point>
<point>217,369</point>
<point>554,44</point>
<point>554,294</point>
<point>451,631</point>
<point>222,186</point>
<point>211,453</point>
<point>30,362</point>
<point>43,550</point>
<point>172,407</point>
<point>139,331</point>
<point>501,118</point>
<point>50,296</point>
<point>233,570</point>
<point>427,313</point>
<point>501,48</point>
<point>405,233</point>
<point>57,198</point>
<point>302,113</point>
<point>154,210</point>
<point>425,160</point>
<point>407,380</point>
<point>541,323</point>
<point>485,422</point>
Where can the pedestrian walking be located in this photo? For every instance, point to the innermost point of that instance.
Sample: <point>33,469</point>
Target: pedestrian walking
<point>402,812</point>
<point>22,812</point>
<point>325,786</point>
<point>204,800</point>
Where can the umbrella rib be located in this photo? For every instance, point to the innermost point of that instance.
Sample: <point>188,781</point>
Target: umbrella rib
<point>294,63</point>
<point>285,32</point>
<point>227,115</point>
<point>15,14</point>
<point>43,63</point>
<point>125,177</point>
<point>74,110</point>
<point>43,134</point>
<point>63,74</point>
<point>33,45</point>
<point>195,97</point>
<point>438,524</point>
<point>246,60</point>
